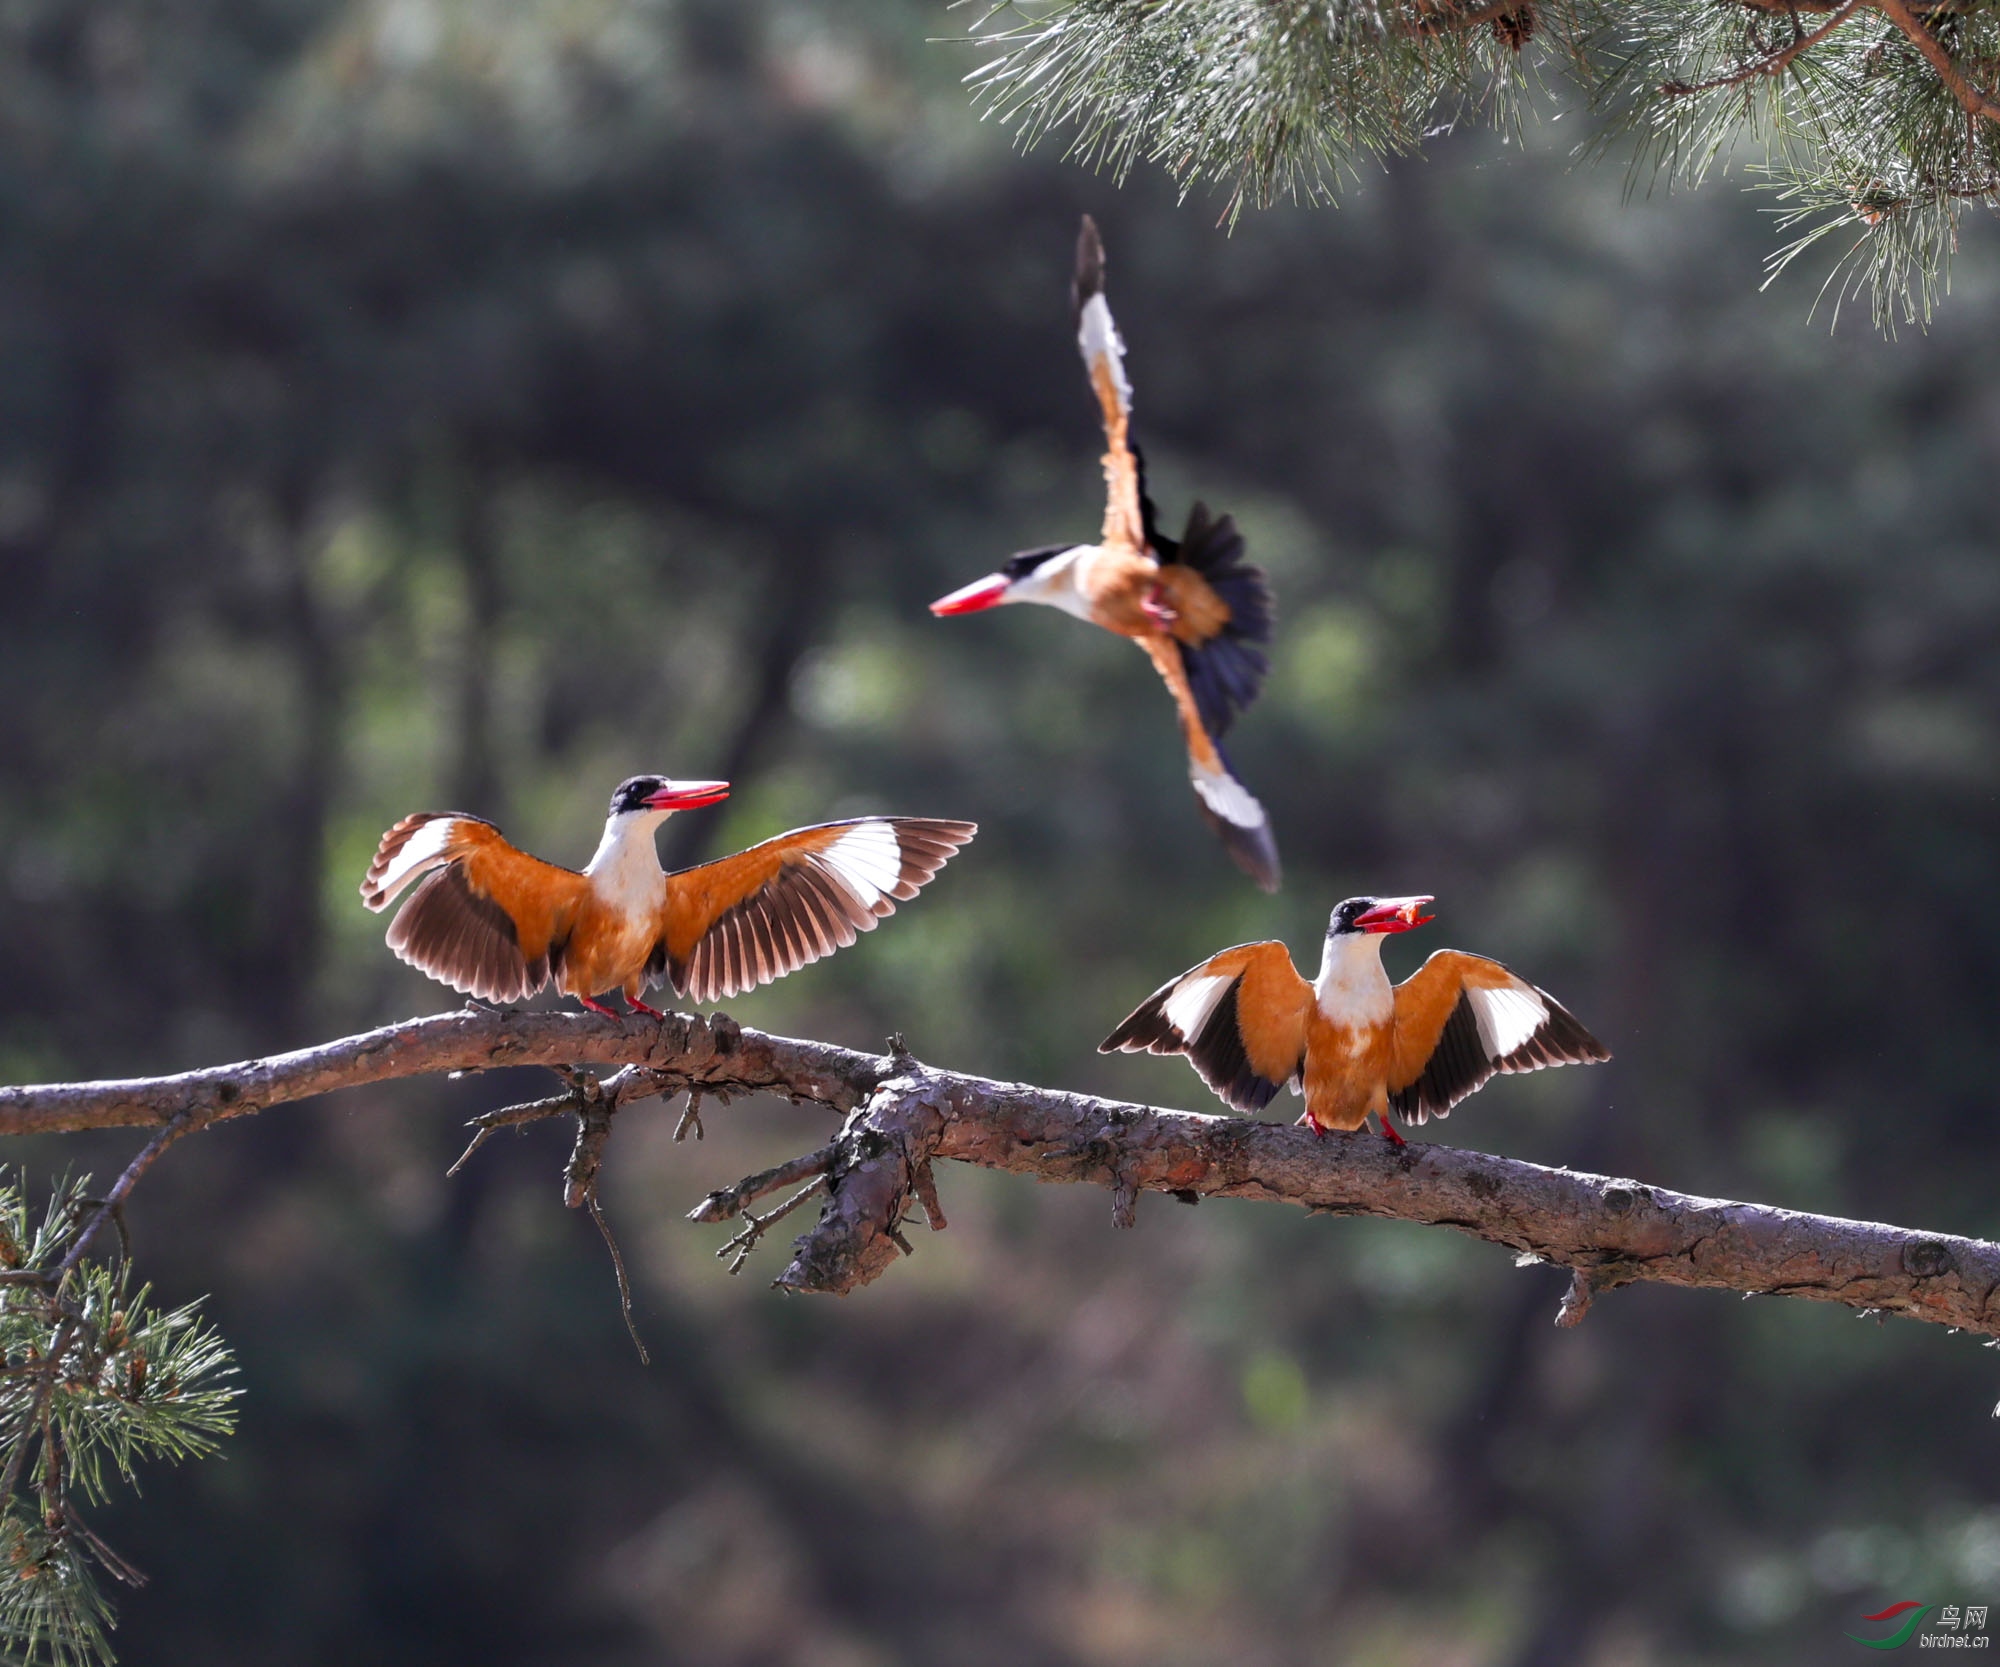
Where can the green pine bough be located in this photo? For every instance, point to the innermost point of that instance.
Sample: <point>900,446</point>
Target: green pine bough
<point>94,1378</point>
<point>1879,119</point>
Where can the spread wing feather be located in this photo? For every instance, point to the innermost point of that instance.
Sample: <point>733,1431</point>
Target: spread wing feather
<point>1239,1018</point>
<point>1104,362</point>
<point>1462,1020</point>
<point>485,918</point>
<point>732,925</point>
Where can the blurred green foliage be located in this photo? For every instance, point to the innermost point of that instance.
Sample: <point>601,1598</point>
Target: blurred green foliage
<point>442,404</point>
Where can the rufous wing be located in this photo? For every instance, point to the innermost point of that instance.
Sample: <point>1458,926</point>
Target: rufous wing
<point>1239,1017</point>
<point>484,916</point>
<point>1104,362</point>
<point>1461,1020</point>
<point>1232,809</point>
<point>729,926</point>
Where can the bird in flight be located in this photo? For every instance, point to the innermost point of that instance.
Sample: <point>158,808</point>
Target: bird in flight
<point>491,921</point>
<point>1193,604</point>
<point>1352,1042</point>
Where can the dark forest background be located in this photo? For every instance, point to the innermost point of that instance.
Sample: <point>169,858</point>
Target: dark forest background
<point>435,403</point>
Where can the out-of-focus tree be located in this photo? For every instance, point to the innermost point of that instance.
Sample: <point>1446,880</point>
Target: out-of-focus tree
<point>419,399</point>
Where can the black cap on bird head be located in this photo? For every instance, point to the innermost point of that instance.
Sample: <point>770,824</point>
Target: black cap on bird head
<point>1378,915</point>
<point>637,793</point>
<point>1021,564</point>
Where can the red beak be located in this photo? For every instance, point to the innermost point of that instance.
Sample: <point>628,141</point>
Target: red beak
<point>687,795</point>
<point>1396,914</point>
<point>973,598</point>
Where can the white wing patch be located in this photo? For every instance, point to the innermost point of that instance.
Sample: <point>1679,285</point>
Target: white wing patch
<point>1506,1018</point>
<point>1097,336</point>
<point>1193,1000</point>
<point>1226,796</point>
<point>423,849</point>
<point>868,860</point>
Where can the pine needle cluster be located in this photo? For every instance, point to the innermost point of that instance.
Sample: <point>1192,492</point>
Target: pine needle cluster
<point>93,1379</point>
<point>1877,118</point>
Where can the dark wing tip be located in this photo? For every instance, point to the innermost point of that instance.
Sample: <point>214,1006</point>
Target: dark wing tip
<point>1089,278</point>
<point>1560,1040</point>
<point>1145,1029</point>
<point>1254,850</point>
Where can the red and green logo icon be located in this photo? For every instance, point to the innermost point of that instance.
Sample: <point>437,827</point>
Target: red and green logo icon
<point>1913,1610</point>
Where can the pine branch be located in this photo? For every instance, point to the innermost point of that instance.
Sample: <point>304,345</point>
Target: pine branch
<point>1773,63</point>
<point>900,1117</point>
<point>683,1052</point>
<point>1977,102</point>
<point>1884,117</point>
<point>95,1379</point>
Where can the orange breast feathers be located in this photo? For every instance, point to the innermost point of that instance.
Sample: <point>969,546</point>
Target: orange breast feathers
<point>1116,584</point>
<point>490,920</point>
<point>1132,593</point>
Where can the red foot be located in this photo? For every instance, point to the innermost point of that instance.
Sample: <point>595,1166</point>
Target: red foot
<point>1158,609</point>
<point>1389,1129</point>
<point>639,1006</point>
<point>599,1007</point>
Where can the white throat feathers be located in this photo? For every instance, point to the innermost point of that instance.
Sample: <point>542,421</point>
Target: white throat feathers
<point>626,870</point>
<point>1055,582</point>
<point>1352,988</point>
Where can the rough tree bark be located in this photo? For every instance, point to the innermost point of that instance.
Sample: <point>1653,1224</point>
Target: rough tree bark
<point>900,1117</point>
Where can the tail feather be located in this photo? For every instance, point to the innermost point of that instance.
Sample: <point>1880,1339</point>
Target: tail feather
<point>1226,672</point>
<point>1213,547</point>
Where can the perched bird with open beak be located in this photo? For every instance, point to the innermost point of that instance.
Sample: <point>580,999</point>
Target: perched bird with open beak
<point>1352,1042</point>
<point>1194,605</point>
<point>492,921</point>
